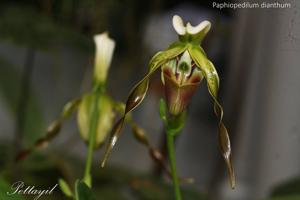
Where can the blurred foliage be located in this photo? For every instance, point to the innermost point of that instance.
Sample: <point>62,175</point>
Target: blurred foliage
<point>10,81</point>
<point>27,27</point>
<point>9,84</point>
<point>287,197</point>
<point>4,188</point>
<point>83,192</point>
<point>39,23</point>
<point>289,190</point>
<point>113,183</point>
<point>137,186</point>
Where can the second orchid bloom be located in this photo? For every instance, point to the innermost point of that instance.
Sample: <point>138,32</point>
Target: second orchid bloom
<point>183,65</point>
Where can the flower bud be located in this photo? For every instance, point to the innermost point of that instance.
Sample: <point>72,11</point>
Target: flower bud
<point>104,52</point>
<point>181,78</point>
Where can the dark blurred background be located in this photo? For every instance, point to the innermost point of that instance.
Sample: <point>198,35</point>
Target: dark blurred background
<point>46,59</point>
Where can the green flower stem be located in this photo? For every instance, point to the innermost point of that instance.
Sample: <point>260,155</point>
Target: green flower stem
<point>174,124</point>
<point>92,135</point>
<point>170,142</point>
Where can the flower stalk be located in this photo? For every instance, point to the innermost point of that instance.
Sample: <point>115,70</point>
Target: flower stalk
<point>173,126</point>
<point>104,52</point>
<point>171,151</point>
<point>92,134</point>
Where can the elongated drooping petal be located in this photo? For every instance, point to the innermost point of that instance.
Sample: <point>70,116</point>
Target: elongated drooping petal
<point>139,91</point>
<point>226,151</point>
<point>135,98</point>
<point>212,79</point>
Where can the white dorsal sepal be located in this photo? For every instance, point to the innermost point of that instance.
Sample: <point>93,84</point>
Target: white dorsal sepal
<point>178,25</point>
<point>205,25</point>
<point>182,29</point>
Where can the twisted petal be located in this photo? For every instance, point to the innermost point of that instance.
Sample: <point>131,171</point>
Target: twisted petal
<point>226,151</point>
<point>139,91</point>
<point>212,79</point>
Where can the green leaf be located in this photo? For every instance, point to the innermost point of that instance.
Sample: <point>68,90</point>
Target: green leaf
<point>83,192</point>
<point>139,91</point>
<point>65,188</point>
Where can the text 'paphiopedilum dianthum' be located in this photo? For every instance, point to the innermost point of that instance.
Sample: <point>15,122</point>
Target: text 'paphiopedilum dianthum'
<point>183,65</point>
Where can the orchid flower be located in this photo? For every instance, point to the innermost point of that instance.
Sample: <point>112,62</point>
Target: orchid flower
<point>96,113</point>
<point>103,56</point>
<point>183,65</point>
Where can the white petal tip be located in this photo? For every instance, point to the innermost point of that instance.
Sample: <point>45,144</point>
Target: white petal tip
<point>205,25</point>
<point>104,52</point>
<point>102,36</point>
<point>178,25</point>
